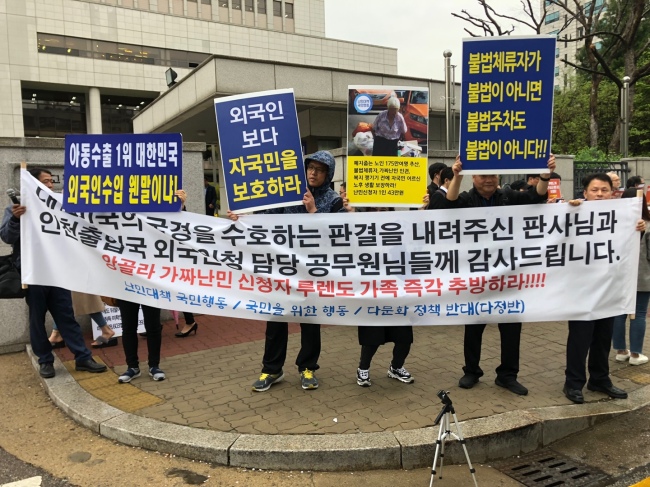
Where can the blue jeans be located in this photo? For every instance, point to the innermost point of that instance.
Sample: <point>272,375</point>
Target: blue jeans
<point>58,301</point>
<point>637,325</point>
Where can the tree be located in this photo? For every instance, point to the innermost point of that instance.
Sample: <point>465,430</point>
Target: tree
<point>571,118</point>
<point>621,25</point>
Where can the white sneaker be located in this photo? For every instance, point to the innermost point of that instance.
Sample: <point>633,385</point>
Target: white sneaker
<point>623,357</point>
<point>640,360</point>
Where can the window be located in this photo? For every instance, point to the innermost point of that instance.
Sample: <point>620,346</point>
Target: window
<point>236,4</point>
<point>554,32</point>
<point>248,5</point>
<point>557,71</point>
<point>206,2</point>
<point>112,51</point>
<point>117,112</point>
<point>223,3</point>
<point>52,113</point>
<point>552,17</point>
<point>557,52</point>
<point>288,10</point>
<point>192,1</point>
<point>277,8</point>
<point>261,6</point>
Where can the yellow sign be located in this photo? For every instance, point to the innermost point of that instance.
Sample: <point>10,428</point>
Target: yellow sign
<point>386,181</point>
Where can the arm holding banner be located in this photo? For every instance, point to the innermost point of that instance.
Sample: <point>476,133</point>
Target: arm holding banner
<point>544,178</point>
<point>454,187</point>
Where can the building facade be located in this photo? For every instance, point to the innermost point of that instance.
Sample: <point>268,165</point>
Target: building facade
<point>89,66</point>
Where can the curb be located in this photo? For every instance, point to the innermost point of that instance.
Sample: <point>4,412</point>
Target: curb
<point>489,438</point>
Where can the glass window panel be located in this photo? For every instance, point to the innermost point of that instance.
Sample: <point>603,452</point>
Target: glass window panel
<point>150,55</point>
<point>249,6</point>
<point>51,44</point>
<point>206,2</point>
<point>223,3</point>
<point>288,10</point>
<point>129,53</point>
<point>236,4</point>
<point>78,47</point>
<point>261,6</point>
<point>177,58</point>
<point>105,50</point>
<point>277,8</point>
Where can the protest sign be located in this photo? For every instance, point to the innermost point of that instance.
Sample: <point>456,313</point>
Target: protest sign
<point>387,146</point>
<point>508,264</point>
<point>261,151</point>
<point>126,172</point>
<point>554,189</point>
<point>507,104</point>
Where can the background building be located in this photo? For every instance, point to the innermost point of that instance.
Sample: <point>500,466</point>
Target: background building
<point>555,23</point>
<point>76,66</point>
<point>99,66</point>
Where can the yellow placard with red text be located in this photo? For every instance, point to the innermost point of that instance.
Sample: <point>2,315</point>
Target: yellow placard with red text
<point>386,181</point>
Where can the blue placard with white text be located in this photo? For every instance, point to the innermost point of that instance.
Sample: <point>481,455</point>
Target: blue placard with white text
<point>507,104</point>
<point>261,150</point>
<point>122,173</point>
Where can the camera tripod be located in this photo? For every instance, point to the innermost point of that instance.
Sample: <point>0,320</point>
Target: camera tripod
<point>444,418</point>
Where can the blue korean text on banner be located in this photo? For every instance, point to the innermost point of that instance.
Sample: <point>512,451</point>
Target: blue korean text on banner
<point>122,173</point>
<point>261,150</point>
<point>507,104</point>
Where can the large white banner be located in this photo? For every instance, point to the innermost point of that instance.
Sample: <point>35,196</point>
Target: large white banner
<point>503,264</point>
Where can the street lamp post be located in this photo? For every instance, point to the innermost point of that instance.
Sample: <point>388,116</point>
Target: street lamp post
<point>625,116</point>
<point>448,98</point>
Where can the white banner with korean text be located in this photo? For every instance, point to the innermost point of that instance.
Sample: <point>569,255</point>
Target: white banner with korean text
<point>504,264</point>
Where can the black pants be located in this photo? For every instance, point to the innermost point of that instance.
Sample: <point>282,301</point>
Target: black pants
<point>58,301</point>
<point>593,338</point>
<point>510,339</point>
<point>275,347</point>
<point>189,317</point>
<point>400,352</point>
<point>152,325</point>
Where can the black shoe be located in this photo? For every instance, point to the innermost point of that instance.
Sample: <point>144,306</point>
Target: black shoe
<point>193,328</point>
<point>467,381</point>
<point>611,390</point>
<point>574,395</point>
<point>512,386</point>
<point>90,366</point>
<point>46,370</point>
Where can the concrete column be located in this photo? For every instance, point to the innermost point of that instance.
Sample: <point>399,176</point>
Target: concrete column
<point>94,111</point>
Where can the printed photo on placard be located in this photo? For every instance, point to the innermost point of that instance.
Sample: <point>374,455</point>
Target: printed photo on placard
<point>387,142</point>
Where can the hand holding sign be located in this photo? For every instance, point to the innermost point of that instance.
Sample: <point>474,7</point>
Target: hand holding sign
<point>308,201</point>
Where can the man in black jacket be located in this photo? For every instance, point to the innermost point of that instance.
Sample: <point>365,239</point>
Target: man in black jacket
<point>210,197</point>
<point>41,299</point>
<point>485,193</point>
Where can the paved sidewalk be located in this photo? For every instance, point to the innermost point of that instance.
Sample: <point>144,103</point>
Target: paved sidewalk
<point>210,376</point>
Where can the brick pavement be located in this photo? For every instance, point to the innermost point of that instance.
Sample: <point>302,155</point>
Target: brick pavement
<point>210,374</point>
